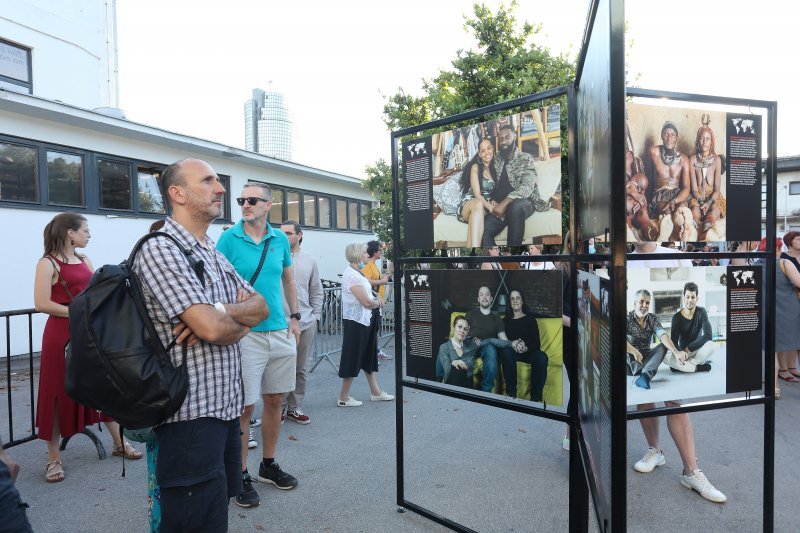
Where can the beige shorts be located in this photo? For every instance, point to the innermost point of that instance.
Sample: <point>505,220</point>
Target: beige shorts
<point>269,359</point>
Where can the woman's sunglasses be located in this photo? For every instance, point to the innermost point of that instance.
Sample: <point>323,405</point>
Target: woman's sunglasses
<point>251,200</point>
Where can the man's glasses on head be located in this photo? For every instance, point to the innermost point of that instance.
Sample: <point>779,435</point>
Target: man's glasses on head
<point>251,200</point>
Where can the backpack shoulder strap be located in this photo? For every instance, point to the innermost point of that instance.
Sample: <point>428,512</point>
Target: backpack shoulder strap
<point>197,264</point>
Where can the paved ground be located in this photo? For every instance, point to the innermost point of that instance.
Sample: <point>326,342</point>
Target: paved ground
<point>488,469</point>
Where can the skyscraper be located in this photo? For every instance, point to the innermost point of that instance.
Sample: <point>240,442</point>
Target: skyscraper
<point>268,128</point>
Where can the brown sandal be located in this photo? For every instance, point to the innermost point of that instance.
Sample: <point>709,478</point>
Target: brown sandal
<point>128,451</point>
<point>54,477</point>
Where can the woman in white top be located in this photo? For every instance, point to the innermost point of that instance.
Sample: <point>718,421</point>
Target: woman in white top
<point>360,306</point>
<point>534,250</point>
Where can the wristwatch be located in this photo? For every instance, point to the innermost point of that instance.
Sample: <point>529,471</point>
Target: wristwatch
<point>295,315</point>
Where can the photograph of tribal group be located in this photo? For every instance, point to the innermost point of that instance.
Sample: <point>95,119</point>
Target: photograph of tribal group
<point>676,333</point>
<point>675,174</point>
<point>499,332</point>
<point>498,182</point>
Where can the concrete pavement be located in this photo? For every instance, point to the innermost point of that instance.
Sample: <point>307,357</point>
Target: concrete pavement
<point>488,469</point>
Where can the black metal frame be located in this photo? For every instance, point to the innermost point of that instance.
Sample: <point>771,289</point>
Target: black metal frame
<point>768,398</point>
<point>576,488</point>
<point>581,482</point>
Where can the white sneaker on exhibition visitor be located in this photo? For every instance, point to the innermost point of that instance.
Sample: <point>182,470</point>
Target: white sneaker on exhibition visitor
<point>697,481</point>
<point>251,439</point>
<point>653,458</point>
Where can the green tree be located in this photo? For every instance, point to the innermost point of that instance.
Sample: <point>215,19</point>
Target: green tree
<point>506,62</point>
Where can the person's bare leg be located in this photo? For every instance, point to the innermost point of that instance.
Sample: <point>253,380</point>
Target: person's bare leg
<point>680,427</point>
<point>244,427</point>
<point>271,424</point>
<point>344,393</point>
<point>53,451</point>
<point>650,426</point>
<point>473,214</point>
<point>372,379</point>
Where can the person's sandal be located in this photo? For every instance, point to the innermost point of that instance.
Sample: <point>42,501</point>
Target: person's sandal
<point>52,476</point>
<point>793,371</point>
<point>128,451</point>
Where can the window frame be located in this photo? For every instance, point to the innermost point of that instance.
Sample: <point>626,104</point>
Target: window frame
<point>14,81</point>
<point>44,178</point>
<point>790,188</point>
<point>318,199</point>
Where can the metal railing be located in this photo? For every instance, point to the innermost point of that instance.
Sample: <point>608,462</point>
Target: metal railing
<point>14,367</point>
<point>328,341</point>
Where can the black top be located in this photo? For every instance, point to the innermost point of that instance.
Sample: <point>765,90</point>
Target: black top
<point>691,334</point>
<point>794,260</point>
<point>527,329</point>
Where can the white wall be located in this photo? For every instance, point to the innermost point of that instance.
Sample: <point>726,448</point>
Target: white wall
<point>73,47</point>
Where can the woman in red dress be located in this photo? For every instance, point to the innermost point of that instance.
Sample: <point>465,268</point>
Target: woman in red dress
<point>60,274</point>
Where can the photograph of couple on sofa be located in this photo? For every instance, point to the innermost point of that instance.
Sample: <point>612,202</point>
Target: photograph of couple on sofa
<point>499,332</point>
<point>498,182</point>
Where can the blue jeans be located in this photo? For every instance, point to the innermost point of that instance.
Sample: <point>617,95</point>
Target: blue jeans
<point>516,214</point>
<point>489,354</point>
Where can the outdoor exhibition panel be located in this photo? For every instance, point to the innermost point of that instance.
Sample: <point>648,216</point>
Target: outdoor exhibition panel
<point>433,179</point>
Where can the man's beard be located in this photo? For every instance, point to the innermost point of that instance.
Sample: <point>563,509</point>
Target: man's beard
<point>507,152</point>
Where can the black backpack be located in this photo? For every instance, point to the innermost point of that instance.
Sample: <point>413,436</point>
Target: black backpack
<point>115,361</point>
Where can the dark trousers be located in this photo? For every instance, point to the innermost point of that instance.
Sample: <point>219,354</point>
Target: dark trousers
<point>12,509</point>
<point>199,467</point>
<point>649,364</point>
<point>516,214</point>
<point>538,361</point>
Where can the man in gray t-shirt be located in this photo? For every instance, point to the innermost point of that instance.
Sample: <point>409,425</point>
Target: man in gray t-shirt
<point>484,324</point>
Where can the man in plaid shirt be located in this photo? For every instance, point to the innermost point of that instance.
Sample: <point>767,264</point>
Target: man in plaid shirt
<point>199,465</point>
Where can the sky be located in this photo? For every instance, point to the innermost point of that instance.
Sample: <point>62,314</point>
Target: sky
<point>189,66</point>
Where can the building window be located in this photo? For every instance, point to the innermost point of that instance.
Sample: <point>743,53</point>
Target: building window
<point>341,214</point>
<point>309,210</point>
<point>353,208</point>
<point>363,219</point>
<point>794,187</point>
<point>292,206</point>
<point>226,202</point>
<point>115,184</point>
<point>276,212</point>
<point>65,179</point>
<point>18,173</point>
<point>15,67</point>
<point>149,182</point>
<point>324,212</point>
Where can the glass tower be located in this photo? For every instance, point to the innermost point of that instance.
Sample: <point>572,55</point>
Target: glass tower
<point>268,128</point>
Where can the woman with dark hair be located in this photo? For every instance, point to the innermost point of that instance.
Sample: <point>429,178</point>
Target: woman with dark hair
<point>706,203</point>
<point>478,182</point>
<point>523,331</point>
<point>378,282</point>
<point>60,275</point>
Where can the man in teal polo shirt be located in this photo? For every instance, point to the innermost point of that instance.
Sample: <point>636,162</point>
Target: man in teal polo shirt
<point>269,351</point>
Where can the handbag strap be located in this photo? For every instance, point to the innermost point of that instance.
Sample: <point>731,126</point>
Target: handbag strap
<point>260,262</point>
<point>61,279</point>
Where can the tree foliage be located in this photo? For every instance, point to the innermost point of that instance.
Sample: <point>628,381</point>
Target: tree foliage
<point>506,62</point>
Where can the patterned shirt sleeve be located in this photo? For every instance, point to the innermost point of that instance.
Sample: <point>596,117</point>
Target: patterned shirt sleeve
<point>162,271</point>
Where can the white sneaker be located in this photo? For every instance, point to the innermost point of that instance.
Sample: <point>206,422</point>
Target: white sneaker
<point>382,397</point>
<point>697,481</point>
<point>255,422</point>
<point>565,443</point>
<point>653,458</point>
<point>251,439</point>
<point>349,402</point>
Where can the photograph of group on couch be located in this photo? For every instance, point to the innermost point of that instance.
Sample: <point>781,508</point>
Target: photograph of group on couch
<point>495,331</point>
<point>677,334</point>
<point>498,182</point>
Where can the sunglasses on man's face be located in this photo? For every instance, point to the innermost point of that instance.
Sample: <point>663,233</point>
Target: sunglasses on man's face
<point>251,200</point>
